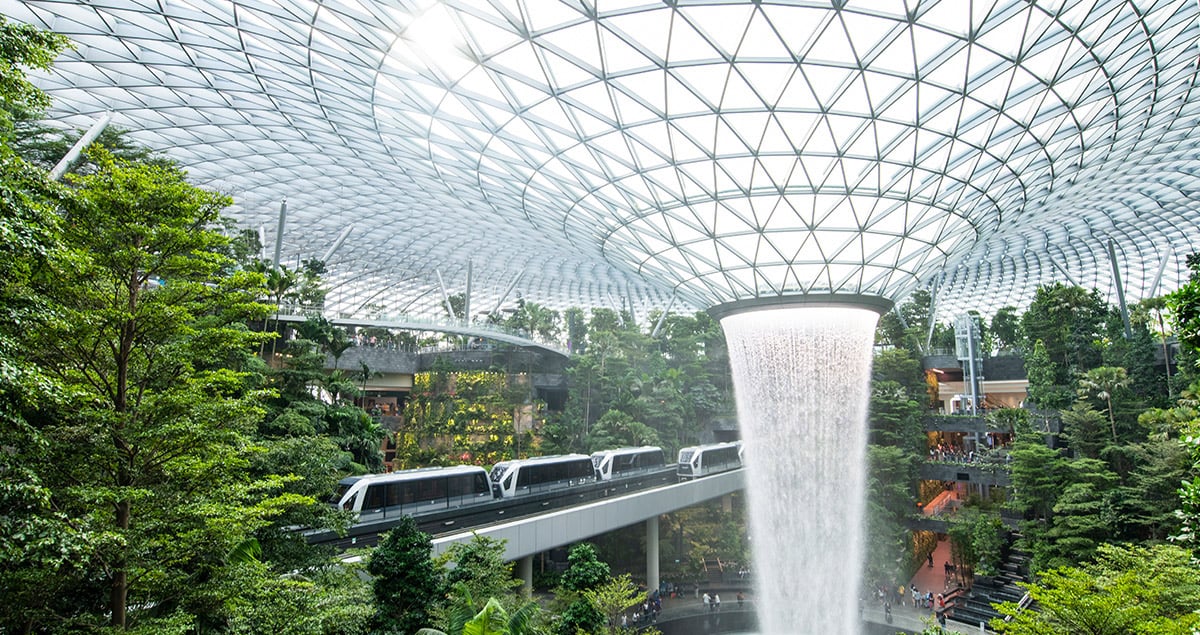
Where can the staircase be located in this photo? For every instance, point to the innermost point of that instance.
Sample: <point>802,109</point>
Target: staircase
<point>976,606</point>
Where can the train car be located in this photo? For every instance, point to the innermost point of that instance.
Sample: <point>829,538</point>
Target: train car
<point>541,474</point>
<point>701,460</point>
<point>610,464</point>
<point>413,492</point>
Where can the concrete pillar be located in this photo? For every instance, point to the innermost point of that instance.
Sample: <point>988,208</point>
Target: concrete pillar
<point>525,570</point>
<point>727,503</point>
<point>652,553</point>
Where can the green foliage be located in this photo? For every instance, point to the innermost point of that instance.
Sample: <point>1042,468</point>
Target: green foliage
<point>1103,383</point>
<point>585,572</point>
<point>975,542</point>
<point>1070,323</point>
<point>892,473</point>
<point>1082,515</point>
<point>23,47</point>
<point>407,584</point>
<point>1127,590</point>
<point>907,326</point>
<point>1184,306</point>
<point>898,365</point>
<point>333,601</point>
<point>676,384</point>
<point>617,429</point>
<point>895,418</point>
<point>479,570</point>
<point>611,600</point>
<point>494,619</point>
<point>1044,388</point>
<point>148,446</point>
<point>464,417</point>
<point>1146,503</point>
<point>1011,421</point>
<point>1037,473</point>
<point>1006,330</point>
<point>1085,430</point>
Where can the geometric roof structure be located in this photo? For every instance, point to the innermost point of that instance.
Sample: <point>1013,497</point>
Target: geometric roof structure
<point>625,152</point>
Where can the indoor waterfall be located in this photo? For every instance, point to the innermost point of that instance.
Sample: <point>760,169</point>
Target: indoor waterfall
<point>802,380</point>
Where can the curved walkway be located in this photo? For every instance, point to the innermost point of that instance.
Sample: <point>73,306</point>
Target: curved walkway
<point>410,323</point>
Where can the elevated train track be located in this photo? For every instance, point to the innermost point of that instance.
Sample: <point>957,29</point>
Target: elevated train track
<point>457,520</point>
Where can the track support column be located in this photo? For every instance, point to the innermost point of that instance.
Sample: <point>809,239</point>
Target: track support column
<point>525,570</point>
<point>652,553</point>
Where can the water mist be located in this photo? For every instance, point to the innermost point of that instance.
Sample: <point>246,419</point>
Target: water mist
<point>802,381</point>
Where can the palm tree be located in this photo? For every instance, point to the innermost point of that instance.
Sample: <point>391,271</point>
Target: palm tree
<point>339,343</point>
<point>279,281</point>
<point>492,619</point>
<point>1102,382</point>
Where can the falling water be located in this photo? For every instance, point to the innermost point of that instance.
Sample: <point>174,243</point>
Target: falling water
<point>802,377</point>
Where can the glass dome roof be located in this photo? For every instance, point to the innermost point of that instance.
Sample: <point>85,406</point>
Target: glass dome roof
<point>620,152</point>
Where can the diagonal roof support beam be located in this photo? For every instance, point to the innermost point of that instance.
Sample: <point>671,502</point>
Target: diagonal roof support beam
<point>1060,269</point>
<point>86,140</point>
<point>1116,272</point>
<point>504,296</point>
<point>445,294</point>
<point>1162,267</point>
<point>279,232</point>
<point>337,243</point>
<point>663,318</point>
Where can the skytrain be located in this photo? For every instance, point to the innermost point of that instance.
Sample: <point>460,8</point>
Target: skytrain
<point>541,474</point>
<point>702,460</point>
<point>610,464</point>
<point>413,492</point>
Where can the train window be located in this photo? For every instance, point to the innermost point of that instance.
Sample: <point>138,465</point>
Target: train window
<point>394,492</point>
<point>431,490</point>
<point>508,482</point>
<point>375,497</point>
<point>481,485</point>
<point>459,486</point>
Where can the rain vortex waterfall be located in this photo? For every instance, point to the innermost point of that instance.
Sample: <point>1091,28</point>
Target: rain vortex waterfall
<point>802,379</point>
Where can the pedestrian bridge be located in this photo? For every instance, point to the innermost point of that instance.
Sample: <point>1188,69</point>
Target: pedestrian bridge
<point>412,323</point>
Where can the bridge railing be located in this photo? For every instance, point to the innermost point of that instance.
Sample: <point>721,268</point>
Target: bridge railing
<point>435,324</point>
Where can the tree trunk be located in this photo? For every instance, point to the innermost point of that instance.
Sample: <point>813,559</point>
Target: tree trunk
<point>1112,421</point>
<point>119,591</point>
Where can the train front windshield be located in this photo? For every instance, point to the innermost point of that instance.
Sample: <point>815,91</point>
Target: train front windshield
<point>498,471</point>
<point>341,491</point>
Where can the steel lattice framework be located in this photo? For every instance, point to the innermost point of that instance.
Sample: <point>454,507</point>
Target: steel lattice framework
<point>600,152</point>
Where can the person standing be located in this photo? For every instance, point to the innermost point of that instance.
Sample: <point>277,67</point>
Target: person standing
<point>707,601</point>
<point>741,598</point>
<point>716,601</point>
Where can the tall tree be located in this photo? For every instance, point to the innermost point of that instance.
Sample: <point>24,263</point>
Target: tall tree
<point>1102,383</point>
<point>41,546</point>
<point>408,585</point>
<point>611,600</point>
<point>1006,329</point>
<point>584,572</point>
<point>150,445</point>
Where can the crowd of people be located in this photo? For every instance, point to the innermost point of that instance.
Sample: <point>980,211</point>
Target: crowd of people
<point>911,596</point>
<point>646,612</point>
<point>945,453</point>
